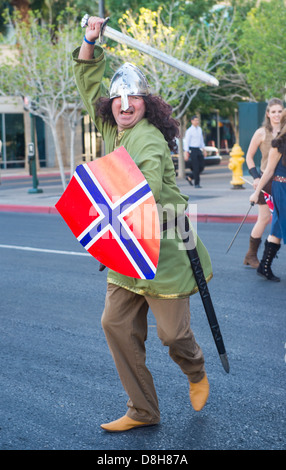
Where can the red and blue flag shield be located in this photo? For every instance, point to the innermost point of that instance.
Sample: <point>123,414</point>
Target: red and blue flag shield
<point>269,201</point>
<point>109,207</point>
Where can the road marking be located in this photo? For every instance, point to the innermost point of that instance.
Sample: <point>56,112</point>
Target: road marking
<point>44,250</point>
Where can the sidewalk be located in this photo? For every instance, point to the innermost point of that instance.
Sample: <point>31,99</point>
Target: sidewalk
<point>216,201</point>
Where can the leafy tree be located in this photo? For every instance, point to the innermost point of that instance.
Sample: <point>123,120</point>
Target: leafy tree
<point>263,45</point>
<point>50,9</point>
<point>181,10</point>
<point>233,86</point>
<point>205,47</point>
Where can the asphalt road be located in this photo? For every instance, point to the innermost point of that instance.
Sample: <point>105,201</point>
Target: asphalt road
<point>58,381</point>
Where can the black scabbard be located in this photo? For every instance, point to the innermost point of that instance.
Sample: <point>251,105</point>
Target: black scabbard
<point>188,239</point>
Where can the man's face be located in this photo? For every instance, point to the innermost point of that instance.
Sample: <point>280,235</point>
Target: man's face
<point>195,122</point>
<point>130,117</point>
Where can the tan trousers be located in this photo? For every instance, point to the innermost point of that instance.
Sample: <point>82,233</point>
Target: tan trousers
<point>124,322</point>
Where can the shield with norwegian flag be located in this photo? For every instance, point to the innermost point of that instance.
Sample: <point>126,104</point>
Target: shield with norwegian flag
<point>109,207</point>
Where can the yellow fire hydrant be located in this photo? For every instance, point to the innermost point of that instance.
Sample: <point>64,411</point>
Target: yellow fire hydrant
<point>235,165</point>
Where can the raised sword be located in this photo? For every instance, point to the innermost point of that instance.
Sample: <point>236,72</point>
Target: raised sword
<point>122,38</point>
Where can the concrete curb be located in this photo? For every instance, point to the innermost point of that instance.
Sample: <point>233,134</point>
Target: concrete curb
<point>226,218</point>
<point>33,209</point>
<point>203,218</point>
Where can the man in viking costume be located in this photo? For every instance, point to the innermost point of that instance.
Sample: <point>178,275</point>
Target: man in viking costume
<point>142,123</point>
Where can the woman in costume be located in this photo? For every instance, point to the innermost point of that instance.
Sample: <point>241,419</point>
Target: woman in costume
<point>276,166</point>
<point>133,118</point>
<point>262,139</point>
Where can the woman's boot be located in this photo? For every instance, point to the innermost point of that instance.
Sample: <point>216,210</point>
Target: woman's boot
<point>251,256</point>
<point>264,268</point>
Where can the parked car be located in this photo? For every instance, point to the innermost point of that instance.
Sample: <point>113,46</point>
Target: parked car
<point>212,158</point>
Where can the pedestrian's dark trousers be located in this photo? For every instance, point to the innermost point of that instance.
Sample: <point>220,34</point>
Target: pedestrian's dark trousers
<point>196,163</point>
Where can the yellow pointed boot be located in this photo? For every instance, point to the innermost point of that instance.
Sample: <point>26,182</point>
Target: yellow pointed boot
<point>123,424</point>
<point>199,393</point>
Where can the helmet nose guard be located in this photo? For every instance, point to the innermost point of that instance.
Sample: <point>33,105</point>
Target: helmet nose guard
<point>128,80</point>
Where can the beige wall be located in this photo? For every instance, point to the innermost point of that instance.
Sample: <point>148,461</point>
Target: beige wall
<point>8,52</point>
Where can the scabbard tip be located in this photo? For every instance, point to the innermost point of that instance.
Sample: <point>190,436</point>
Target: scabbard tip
<point>225,363</point>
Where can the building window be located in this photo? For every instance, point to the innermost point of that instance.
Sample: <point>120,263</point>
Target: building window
<point>12,137</point>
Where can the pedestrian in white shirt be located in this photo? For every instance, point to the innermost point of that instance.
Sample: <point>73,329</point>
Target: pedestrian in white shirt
<point>194,151</point>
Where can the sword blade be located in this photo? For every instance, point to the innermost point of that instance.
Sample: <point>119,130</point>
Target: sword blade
<point>249,182</point>
<point>238,230</point>
<point>162,56</point>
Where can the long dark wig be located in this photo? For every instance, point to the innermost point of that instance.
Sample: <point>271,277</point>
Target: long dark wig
<point>158,113</point>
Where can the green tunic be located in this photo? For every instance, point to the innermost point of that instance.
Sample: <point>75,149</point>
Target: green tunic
<point>149,150</point>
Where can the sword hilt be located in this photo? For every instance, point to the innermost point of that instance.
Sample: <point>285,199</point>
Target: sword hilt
<point>84,21</point>
<point>84,24</point>
<point>100,39</point>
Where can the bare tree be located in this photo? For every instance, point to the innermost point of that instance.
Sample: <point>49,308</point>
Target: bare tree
<point>44,73</point>
<point>73,115</point>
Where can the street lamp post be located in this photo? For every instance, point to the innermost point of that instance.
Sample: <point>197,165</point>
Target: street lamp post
<point>101,9</point>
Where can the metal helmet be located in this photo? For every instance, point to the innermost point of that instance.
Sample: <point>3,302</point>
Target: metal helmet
<point>128,80</point>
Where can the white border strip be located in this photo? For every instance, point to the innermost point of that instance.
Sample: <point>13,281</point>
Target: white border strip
<point>44,250</point>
